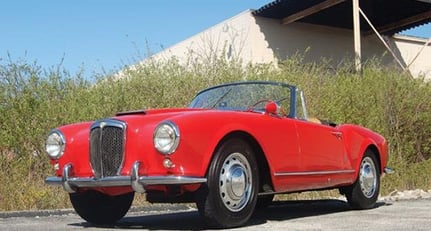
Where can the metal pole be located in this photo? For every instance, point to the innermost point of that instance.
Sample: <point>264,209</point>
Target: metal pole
<point>357,35</point>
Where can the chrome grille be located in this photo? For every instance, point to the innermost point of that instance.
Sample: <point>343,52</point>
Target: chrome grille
<point>107,141</point>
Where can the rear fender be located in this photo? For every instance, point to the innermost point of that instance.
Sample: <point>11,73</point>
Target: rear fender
<point>368,144</point>
<point>358,140</point>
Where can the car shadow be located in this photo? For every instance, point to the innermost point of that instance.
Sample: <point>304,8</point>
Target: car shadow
<point>191,220</point>
<point>288,210</point>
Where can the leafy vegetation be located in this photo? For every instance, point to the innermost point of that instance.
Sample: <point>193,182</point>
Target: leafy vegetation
<point>33,101</point>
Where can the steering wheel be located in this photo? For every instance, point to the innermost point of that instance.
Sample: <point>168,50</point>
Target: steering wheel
<point>252,107</point>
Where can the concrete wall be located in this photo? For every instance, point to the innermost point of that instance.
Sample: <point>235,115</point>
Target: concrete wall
<point>263,40</point>
<point>415,54</point>
<point>237,37</point>
<point>317,42</point>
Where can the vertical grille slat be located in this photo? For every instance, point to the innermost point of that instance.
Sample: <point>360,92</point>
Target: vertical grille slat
<point>107,147</point>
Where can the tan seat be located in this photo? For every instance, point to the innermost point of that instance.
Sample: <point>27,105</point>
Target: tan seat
<point>314,120</point>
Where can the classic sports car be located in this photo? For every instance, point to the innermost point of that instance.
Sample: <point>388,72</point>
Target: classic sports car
<point>230,151</point>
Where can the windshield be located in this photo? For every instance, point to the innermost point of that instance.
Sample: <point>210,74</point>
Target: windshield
<point>243,96</point>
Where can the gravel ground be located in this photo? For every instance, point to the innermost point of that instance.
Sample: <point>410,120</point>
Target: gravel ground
<point>407,195</point>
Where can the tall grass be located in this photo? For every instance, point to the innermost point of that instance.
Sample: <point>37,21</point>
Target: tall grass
<point>34,100</point>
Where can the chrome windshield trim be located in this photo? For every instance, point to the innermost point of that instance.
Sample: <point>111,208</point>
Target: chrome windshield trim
<point>312,173</point>
<point>70,184</point>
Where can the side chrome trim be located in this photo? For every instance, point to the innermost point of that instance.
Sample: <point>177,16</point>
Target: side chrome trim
<point>313,173</point>
<point>70,184</point>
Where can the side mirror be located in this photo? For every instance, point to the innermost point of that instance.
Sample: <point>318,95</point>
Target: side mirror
<point>272,108</point>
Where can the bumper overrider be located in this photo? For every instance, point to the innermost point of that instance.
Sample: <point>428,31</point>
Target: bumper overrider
<point>71,184</point>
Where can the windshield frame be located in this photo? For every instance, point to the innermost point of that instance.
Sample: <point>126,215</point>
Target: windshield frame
<point>292,89</point>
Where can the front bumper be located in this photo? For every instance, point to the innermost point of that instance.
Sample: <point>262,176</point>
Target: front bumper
<point>71,184</point>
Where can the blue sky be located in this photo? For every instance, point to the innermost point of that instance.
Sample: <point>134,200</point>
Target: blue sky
<point>103,35</point>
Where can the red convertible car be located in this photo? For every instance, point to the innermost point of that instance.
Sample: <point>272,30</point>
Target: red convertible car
<point>230,151</point>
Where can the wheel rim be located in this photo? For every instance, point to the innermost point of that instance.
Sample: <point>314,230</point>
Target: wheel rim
<point>368,177</point>
<point>235,182</point>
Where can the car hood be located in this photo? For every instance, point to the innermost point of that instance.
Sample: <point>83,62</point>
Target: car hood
<point>141,118</point>
<point>142,123</point>
<point>155,115</point>
<point>159,111</point>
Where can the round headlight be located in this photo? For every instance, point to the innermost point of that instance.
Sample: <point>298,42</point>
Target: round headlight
<point>166,137</point>
<point>55,144</point>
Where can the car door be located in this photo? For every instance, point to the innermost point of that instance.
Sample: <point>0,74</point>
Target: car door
<point>322,152</point>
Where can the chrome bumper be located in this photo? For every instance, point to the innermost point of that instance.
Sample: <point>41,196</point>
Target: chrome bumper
<point>70,184</point>
<point>389,170</point>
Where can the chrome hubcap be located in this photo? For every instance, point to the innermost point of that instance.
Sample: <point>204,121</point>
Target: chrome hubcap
<point>368,177</point>
<point>235,182</point>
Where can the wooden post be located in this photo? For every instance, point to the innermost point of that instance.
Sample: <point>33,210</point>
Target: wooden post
<point>357,35</point>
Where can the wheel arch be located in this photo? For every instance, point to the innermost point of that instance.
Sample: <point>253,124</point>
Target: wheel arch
<point>373,148</point>
<point>265,181</point>
<point>364,191</point>
<point>370,147</point>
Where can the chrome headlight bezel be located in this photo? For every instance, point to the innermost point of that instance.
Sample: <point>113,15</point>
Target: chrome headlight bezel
<point>166,137</point>
<point>55,144</point>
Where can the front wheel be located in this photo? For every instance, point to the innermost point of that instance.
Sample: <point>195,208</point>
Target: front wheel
<point>364,192</point>
<point>229,197</point>
<point>101,209</point>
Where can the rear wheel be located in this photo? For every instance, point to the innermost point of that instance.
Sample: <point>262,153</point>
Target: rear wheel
<point>364,192</point>
<point>101,209</point>
<point>229,197</point>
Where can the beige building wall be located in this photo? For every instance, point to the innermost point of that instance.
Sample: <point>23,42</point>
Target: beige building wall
<point>237,37</point>
<point>416,54</point>
<point>264,40</point>
<point>317,42</point>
